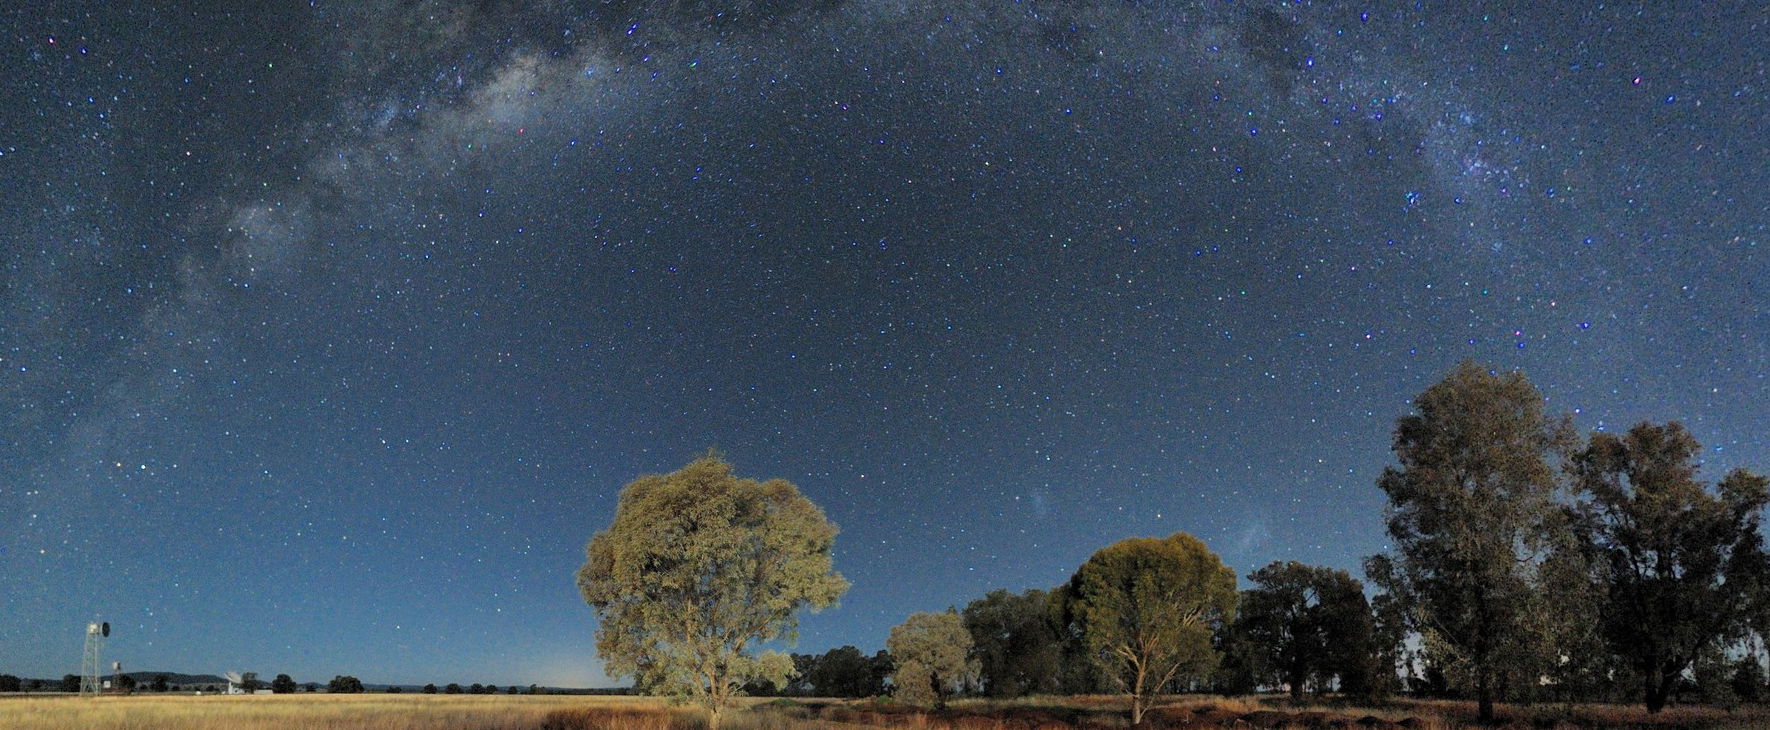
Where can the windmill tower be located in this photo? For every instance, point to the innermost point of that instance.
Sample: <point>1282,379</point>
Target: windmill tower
<point>96,633</point>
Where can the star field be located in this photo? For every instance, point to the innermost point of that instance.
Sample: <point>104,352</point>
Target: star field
<point>333,330</point>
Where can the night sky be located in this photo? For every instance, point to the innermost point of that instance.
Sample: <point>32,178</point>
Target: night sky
<point>330,331</point>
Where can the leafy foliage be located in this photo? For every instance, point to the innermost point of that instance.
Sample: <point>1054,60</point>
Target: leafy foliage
<point>344,684</point>
<point>933,655</point>
<point>1307,626</point>
<point>1016,641</point>
<point>1147,609</point>
<point>845,672</point>
<point>699,566</point>
<point>1470,515</point>
<point>283,684</point>
<point>1679,563</point>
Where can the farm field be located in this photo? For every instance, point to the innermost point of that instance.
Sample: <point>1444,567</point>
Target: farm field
<point>576,712</point>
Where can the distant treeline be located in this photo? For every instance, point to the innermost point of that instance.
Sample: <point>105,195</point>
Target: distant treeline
<point>1527,563</point>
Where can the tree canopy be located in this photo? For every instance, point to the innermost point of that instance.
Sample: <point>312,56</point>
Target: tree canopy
<point>1470,516</point>
<point>1306,627</point>
<point>697,568</point>
<point>933,656</point>
<point>1679,564</point>
<point>1147,609</point>
<point>1016,642</point>
<point>344,684</point>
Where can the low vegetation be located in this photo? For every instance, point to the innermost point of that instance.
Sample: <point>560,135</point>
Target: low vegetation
<point>558,712</point>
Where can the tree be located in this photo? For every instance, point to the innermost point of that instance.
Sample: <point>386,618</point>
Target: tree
<point>1016,642</point>
<point>126,683</point>
<point>1307,625</point>
<point>1146,610</point>
<point>842,672</point>
<point>344,684</point>
<point>699,566</point>
<point>161,683</point>
<point>9,683</point>
<point>476,689</point>
<point>1678,563</point>
<point>1469,516</point>
<point>430,689</point>
<point>311,687</point>
<point>932,651</point>
<point>283,685</point>
<point>452,689</point>
<point>512,689</point>
<point>249,682</point>
<point>394,689</point>
<point>70,683</point>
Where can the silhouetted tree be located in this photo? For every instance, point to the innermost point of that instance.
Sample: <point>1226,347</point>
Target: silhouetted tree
<point>1470,517</point>
<point>738,557</point>
<point>250,683</point>
<point>932,651</point>
<point>394,689</point>
<point>312,686</point>
<point>512,689</point>
<point>881,665</point>
<point>160,683</point>
<point>9,683</point>
<point>344,684</point>
<point>1680,564</point>
<point>282,684</point>
<point>1307,625</point>
<point>70,683</point>
<point>1016,642</point>
<point>842,672</point>
<point>125,683</point>
<point>430,689</point>
<point>1148,609</point>
<point>476,689</point>
<point>452,689</point>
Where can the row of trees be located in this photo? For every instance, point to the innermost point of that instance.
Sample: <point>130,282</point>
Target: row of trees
<point>282,684</point>
<point>1620,569</point>
<point>1525,563</point>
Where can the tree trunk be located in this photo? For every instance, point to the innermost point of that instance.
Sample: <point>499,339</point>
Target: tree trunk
<point>1658,689</point>
<point>1136,708</point>
<point>1296,680</point>
<point>1484,699</point>
<point>713,718</point>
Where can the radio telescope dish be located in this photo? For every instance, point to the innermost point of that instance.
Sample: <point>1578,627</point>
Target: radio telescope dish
<point>105,629</point>
<point>234,677</point>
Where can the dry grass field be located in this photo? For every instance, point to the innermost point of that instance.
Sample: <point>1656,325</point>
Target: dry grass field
<point>560,712</point>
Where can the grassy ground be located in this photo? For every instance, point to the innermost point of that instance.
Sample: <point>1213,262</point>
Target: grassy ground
<point>554,712</point>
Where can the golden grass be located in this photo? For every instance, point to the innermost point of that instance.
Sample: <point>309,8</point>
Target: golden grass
<point>576,712</point>
<point>299,711</point>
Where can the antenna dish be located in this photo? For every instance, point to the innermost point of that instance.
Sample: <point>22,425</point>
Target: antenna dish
<point>234,677</point>
<point>106,629</point>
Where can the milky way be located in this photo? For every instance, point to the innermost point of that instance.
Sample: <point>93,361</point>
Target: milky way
<point>334,330</point>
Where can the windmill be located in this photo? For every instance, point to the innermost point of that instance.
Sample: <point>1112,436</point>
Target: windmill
<point>96,633</point>
<point>234,681</point>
